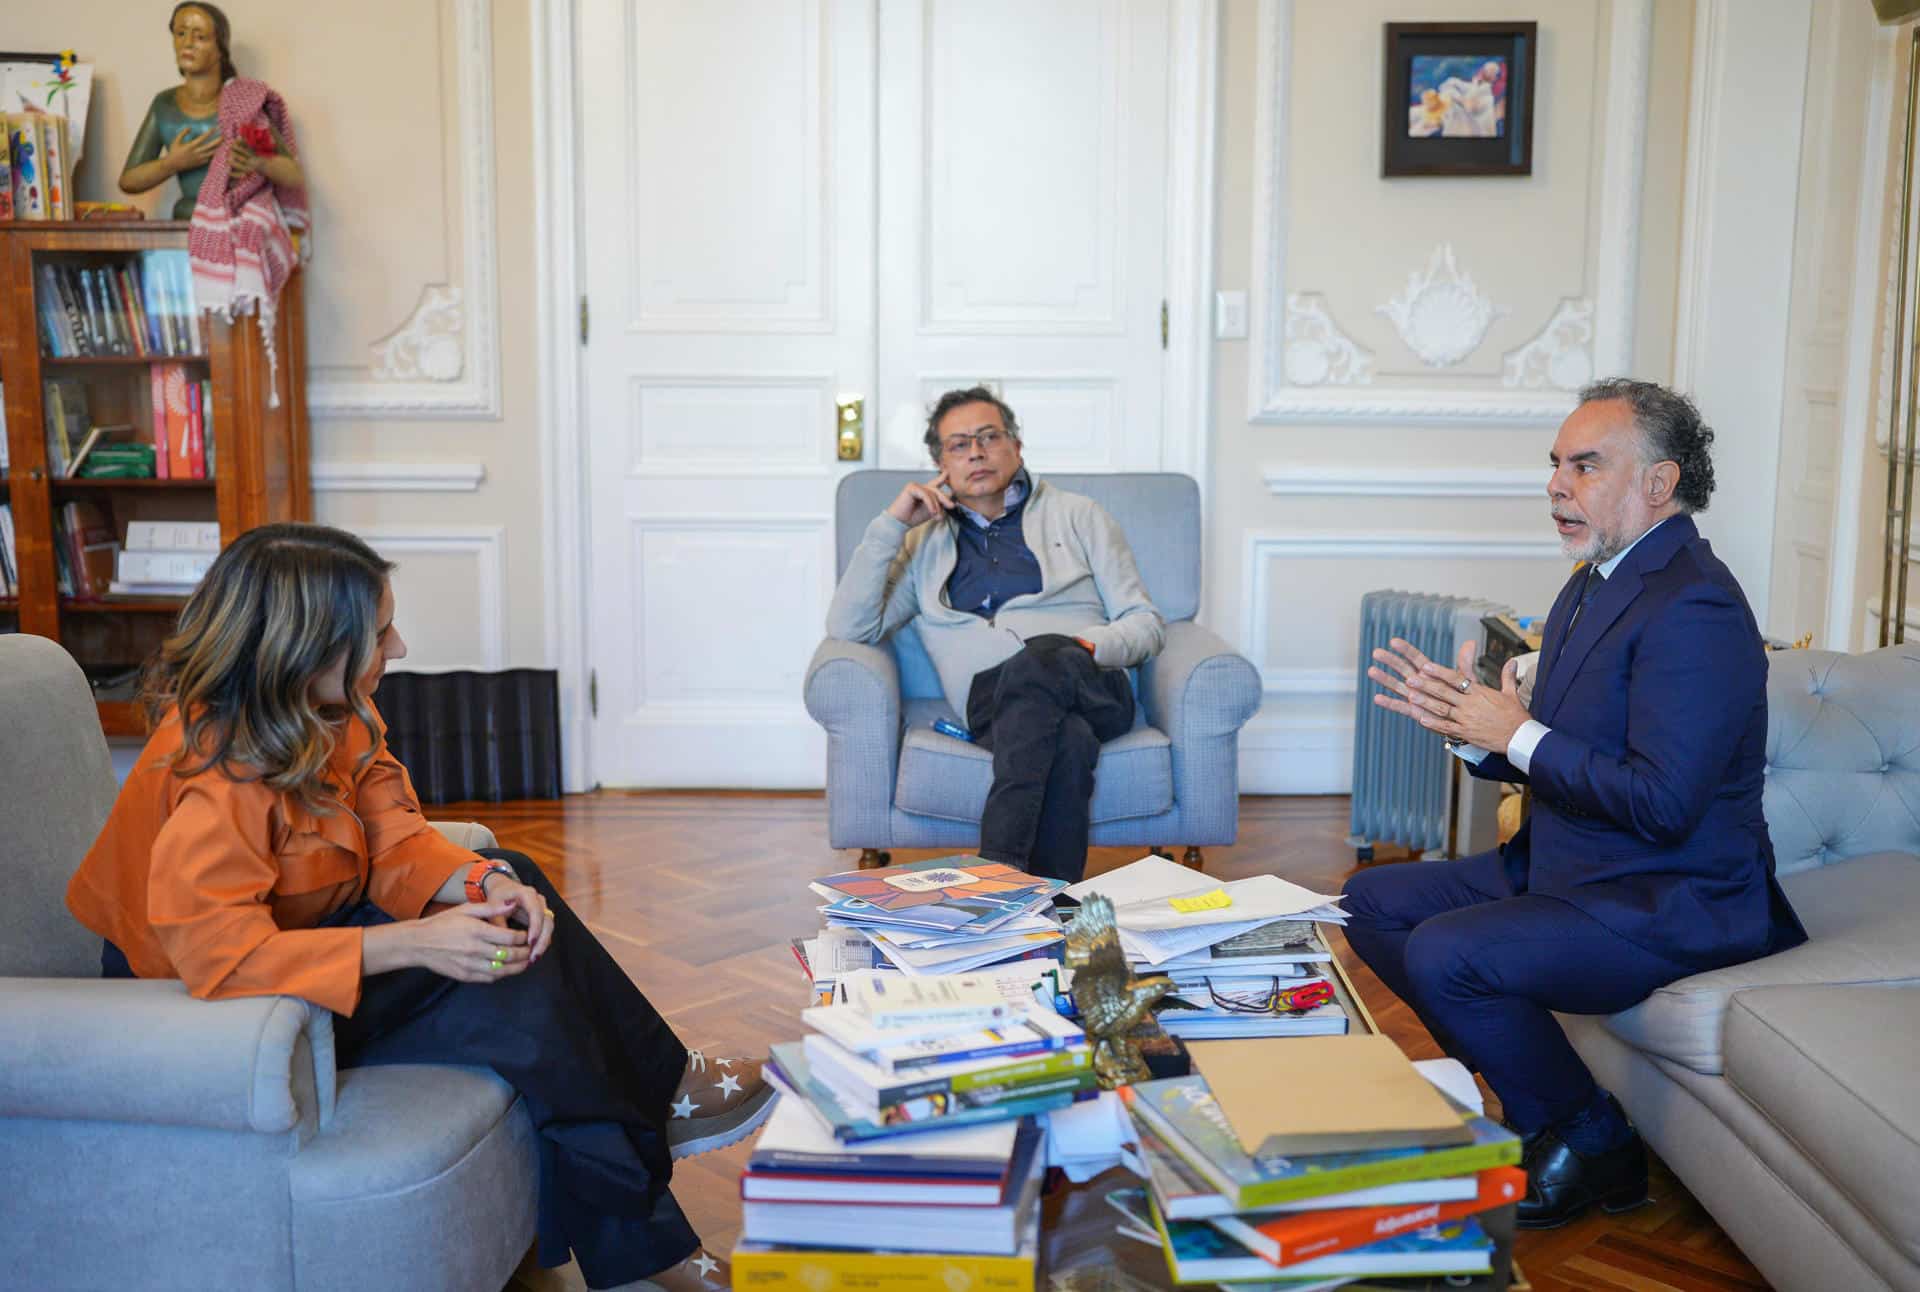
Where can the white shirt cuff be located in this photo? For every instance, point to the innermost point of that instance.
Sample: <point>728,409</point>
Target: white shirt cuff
<point>1525,741</point>
<point>1468,753</point>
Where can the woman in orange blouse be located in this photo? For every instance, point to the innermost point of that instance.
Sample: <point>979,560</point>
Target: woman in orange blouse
<point>268,843</point>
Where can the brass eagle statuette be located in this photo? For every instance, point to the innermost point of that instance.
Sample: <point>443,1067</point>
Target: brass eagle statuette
<point>1111,1001</point>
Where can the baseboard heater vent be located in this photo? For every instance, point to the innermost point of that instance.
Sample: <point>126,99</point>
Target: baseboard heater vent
<point>1401,773</point>
<point>475,736</point>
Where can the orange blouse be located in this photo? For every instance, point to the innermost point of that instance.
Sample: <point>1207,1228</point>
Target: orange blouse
<point>219,882</point>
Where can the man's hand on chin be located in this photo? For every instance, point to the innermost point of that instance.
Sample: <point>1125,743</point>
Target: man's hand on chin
<point>1447,700</point>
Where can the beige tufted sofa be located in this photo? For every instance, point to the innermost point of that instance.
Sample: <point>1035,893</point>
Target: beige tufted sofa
<point>1786,1092</point>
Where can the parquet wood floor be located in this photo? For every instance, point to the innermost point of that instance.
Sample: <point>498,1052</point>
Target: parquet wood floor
<point>697,896</point>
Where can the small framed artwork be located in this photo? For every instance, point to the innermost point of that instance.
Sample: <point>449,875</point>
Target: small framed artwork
<point>1459,98</point>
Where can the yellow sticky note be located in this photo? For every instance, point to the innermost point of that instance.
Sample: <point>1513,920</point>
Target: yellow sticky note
<point>1213,901</point>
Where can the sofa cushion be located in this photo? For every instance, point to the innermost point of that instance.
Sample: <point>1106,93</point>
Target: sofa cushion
<point>1863,926</point>
<point>397,1126</point>
<point>1833,1068</point>
<point>943,777</point>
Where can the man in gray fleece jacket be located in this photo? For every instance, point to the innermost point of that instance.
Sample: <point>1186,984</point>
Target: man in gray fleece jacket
<point>1029,605</point>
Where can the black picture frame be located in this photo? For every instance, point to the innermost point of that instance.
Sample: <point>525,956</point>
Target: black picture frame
<point>1402,153</point>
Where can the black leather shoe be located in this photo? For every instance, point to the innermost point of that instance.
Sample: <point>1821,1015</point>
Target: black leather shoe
<point>1562,1181</point>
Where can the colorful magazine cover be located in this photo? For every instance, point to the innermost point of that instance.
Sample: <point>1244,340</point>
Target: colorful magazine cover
<point>950,894</point>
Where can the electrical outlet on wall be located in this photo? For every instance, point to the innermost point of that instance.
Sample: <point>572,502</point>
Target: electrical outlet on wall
<point>1230,316</point>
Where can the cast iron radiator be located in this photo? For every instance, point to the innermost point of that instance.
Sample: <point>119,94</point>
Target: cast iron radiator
<point>1401,771</point>
<point>486,736</point>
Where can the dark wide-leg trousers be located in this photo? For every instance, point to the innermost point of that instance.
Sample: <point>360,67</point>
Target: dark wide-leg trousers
<point>594,1061</point>
<point>1486,971</point>
<point>1044,713</point>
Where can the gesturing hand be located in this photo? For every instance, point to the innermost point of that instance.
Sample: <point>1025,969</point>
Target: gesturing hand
<point>1448,700</point>
<point>918,502</point>
<point>462,943</point>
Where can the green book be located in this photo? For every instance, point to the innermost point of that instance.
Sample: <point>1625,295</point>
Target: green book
<point>790,1071</point>
<point>1183,1113</point>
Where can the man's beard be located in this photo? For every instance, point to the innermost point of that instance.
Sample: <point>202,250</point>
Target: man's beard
<point>1592,544</point>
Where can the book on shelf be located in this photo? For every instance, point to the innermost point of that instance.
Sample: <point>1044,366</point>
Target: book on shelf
<point>59,167</point>
<point>898,1225</point>
<point>90,545</point>
<point>9,572</point>
<point>137,306</point>
<point>173,536</point>
<point>27,151</point>
<point>1291,1240</point>
<point>63,402</point>
<point>6,171</point>
<point>173,407</point>
<point>790,1071</point>
<point>1182,1113</point>
<point>95,435</point>
<point>1197,1252</point>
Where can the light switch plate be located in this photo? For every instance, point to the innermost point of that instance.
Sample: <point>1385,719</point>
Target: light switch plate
<point>1230,316</point>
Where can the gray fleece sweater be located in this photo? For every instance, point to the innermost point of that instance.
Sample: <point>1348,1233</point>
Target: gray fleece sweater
<point>1089,588</point>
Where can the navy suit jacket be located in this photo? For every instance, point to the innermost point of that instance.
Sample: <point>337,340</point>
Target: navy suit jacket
<point>1646,792</point>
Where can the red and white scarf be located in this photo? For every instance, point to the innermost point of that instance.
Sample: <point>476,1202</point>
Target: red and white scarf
<point>241,241</point>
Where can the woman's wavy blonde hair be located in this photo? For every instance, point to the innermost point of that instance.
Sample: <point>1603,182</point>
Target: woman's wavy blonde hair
<point>281,604</point>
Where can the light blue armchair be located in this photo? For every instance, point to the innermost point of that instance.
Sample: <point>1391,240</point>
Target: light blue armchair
<point>157,1141</point>
<point>892,781</point>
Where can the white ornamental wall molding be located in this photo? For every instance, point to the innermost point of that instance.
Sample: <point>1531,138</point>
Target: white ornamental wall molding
<point>1560,356</point>
<point>1449,398</point>
<point>428,346</point>
<point>444,360</point>
<point>1442,316</point>
<point>1318,352</point>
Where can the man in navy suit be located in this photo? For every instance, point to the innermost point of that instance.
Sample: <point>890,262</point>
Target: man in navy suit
<point>1646,857</point>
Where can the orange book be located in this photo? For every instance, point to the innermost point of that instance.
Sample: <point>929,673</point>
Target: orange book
<point>174,397</point>
<point>1308,1235</point>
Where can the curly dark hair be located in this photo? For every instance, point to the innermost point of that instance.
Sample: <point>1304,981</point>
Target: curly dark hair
<point>1671,430</point>
<point>957,398</point>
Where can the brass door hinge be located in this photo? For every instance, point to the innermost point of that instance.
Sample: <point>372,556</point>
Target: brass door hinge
<point>583,320</point>
<point>1163,325</point>
<point>593,692</point>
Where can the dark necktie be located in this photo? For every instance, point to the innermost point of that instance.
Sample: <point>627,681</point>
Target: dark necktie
<point>1587,591</point>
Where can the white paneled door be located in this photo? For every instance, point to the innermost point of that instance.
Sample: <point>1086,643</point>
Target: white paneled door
<point>788,201</point>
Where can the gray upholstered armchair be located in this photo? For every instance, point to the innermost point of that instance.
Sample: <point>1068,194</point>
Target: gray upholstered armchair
<point>892,781</point>
<point>157,1141</point>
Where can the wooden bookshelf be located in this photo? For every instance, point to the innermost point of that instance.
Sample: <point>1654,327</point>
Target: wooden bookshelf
<point>260,471</point>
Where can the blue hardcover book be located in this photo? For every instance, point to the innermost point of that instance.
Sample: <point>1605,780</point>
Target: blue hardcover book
<point>1198,1253</point>
<point>962,895</point>
<point>1183,1113</point>
<point>788,1068</point>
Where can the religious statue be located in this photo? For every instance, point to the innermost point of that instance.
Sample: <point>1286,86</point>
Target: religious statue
<point>183,127</point>
<point>1111,1001</point>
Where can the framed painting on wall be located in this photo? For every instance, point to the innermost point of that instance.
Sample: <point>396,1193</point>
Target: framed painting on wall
<point>1458,98</point>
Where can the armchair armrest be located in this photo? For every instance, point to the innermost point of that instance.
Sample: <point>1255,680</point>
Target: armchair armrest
<point>468,834</point>
<point>1200,692</point>
<point>853,690</point>
<point>1198,686</point>
<point>143,1050</point>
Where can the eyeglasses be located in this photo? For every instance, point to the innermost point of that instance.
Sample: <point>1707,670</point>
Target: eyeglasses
<point>988,441</point>
<point>1275,999</point>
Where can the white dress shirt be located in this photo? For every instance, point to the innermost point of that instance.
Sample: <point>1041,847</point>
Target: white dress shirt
<point>1531,732</point>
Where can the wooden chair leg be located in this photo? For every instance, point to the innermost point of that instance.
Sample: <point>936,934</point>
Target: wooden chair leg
<point>874,858</point>
<point>1193,860</point>
<point>1157,851</point>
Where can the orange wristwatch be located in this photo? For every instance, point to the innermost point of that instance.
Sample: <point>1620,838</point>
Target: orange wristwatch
<point>477,877</point>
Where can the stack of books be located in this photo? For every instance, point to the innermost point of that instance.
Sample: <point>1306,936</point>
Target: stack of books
<point>1246,957</point>
<point>1332,1186</point>
<point>906,1149</point>
<point>942,916</point>
<point>165,558</point>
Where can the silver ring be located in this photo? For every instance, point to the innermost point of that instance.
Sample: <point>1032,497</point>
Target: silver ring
<point>1465,686</point>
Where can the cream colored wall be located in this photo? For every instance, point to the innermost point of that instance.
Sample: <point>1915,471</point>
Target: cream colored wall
<point>1354,237</point>
<point>403,200</point>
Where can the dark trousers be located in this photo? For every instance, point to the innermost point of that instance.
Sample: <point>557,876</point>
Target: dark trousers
<point>595,1063</point>
<point>1045,713</point>
<point>1487,970</point>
